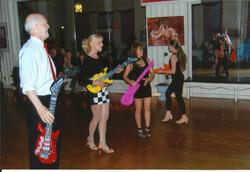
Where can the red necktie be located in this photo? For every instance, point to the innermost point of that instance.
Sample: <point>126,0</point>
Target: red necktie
<point>51,67</point>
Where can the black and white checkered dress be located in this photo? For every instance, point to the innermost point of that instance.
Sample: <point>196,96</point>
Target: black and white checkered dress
<point>99,98</point>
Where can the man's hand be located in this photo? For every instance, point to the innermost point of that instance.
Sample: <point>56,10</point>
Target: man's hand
<point>45,115</point>
<point>99,83</point>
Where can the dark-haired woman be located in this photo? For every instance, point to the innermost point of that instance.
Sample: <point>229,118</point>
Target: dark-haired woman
<point>143,94</point>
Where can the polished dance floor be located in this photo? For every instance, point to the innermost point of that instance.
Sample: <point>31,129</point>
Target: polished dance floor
<point>217,136</point>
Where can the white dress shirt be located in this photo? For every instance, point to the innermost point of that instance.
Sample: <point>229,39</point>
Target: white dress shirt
<point>34,66</point>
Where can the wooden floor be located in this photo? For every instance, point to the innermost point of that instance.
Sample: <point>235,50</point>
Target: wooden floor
<point>217,137</point>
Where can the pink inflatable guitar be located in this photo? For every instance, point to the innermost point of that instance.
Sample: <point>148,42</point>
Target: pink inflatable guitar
<point>128,97</point>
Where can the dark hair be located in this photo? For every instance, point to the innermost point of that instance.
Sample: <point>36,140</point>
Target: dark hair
<point>221,37</point>
<point>134,47</point>
<point>67,51</point>
<point>182,57</point>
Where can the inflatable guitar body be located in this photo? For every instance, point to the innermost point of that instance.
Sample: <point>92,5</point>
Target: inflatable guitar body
<point>128,97</point>
<point>104,76</point>
<point>46,142</point>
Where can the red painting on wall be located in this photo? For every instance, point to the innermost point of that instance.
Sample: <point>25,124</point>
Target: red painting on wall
<point>162,29</point>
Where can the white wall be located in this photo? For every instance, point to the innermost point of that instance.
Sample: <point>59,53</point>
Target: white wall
<point>165,9</point>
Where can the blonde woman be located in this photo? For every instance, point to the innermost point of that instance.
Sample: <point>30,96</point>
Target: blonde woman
<point>99,101</point>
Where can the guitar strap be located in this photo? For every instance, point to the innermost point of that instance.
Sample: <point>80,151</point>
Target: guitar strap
<point>51,67</point>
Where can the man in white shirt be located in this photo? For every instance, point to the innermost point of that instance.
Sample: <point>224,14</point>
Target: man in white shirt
<point>36,77</point>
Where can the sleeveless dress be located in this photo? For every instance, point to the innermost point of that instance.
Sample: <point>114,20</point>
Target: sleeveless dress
<point>143,91</point>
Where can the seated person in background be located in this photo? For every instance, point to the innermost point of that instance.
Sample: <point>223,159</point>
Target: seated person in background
<point>61,51</point>
<point>70,71</point>
<point>67,61</point>
<point>58,60</point>
<point>80,61</point>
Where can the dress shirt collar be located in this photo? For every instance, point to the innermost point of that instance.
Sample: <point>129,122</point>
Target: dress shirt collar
<point>37,40</point>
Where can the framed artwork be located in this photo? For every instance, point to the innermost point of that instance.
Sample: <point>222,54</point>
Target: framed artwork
<point>162,29</point>
<point>3,37</point>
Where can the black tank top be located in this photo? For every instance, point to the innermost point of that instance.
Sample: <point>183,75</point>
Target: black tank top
<point>137,70</point>
<point>178,71</point>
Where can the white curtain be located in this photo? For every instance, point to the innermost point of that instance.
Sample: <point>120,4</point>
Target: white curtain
<point>235,15</point>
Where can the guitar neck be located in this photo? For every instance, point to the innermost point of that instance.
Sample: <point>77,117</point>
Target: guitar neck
<point>109,74</point>
<point>52,104</point>
<point>52,107</point>
<point>48,130</point>
<point>112,72</point>
<point>144,73</point>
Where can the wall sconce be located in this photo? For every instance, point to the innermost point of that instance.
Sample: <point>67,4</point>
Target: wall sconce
<point>78,7</point>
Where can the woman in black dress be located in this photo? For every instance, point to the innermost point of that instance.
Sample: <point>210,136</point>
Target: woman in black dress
<point>143,94</point>
<point>99,101</point>
<point>177,64</point>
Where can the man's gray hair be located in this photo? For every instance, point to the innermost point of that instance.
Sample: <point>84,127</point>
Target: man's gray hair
<point>31,20</point>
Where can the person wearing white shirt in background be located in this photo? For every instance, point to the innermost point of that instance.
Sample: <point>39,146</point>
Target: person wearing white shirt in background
<point>36,77</point>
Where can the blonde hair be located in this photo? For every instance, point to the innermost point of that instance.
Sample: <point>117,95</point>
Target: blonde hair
<point>182,57</point>
<point>86,42</point>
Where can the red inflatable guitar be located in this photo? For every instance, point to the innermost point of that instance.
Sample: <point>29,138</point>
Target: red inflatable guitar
<point>46,142</point>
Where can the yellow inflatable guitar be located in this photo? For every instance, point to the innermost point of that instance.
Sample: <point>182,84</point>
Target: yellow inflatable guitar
<point>104,76</point>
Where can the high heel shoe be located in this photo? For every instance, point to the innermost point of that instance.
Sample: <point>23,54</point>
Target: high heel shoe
<point>148,131</point>
<point>140,133</point>
<point>167,117</point>
<point>184,119</point>
<point>91,144</point>
<point>103,147</point>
